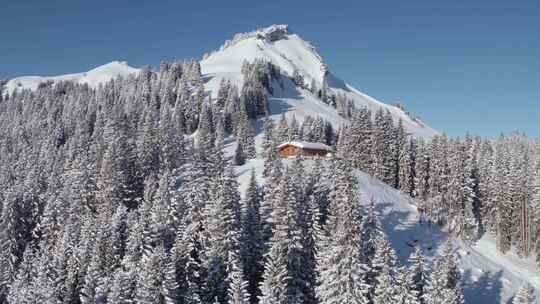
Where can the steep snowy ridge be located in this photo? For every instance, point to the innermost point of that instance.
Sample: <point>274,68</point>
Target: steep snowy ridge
<point>93,78</point>
<point>285,49</point>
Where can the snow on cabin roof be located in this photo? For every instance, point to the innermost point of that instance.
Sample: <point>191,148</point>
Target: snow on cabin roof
<point>306,145</point>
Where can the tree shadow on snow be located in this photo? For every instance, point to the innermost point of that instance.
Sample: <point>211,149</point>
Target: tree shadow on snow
<point>479,288</point>
<point>406,232</point>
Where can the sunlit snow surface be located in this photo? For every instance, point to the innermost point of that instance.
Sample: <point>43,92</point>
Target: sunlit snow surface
<point>93,78</point>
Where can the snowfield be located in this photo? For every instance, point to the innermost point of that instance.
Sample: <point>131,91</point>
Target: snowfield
<point>93,78</point>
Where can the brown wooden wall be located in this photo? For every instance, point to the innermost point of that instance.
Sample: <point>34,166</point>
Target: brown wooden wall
<point>291,150</point>
<point>313,152</point>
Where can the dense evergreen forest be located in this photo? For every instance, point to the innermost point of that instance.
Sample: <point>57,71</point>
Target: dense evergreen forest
<point>123,194</point>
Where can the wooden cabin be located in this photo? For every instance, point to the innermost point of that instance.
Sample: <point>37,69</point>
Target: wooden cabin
<point>301,148</point>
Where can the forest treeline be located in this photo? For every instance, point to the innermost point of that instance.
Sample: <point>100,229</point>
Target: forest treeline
<point>123,194</point>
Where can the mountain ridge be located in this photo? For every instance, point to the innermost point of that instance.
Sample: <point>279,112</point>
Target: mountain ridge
<point>93,78</point>
<point>277,44</point>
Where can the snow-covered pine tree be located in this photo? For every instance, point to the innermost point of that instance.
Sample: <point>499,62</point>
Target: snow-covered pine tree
<point>301,263</point>
<point>253,92</point>
<point>232,106</point>
<point>386,289</point>
<point>503,207</point>
<point>282,134</point>
<point>340,273</point>
<point>272,155</point>
<point>21,291</point>
<point>417,274</point>
<point>359,140</point>
<point>205,131</point>
<point>407,164</point>
<point>222,220</point>
<point>268,138</point>
<point>275,287</point>
<point>223,93</point>
<point>383,147</point>
<point>245,133</point>
<point>270,199</point>
<point>148,144</point>
<point>469,193</point>
<point>524,210</point>
<point>172,144</point>
<point>123,286</point>
<point>150,277</point>
<point>12,239</point>
<point>444,286</point>
<point>535,205</point>
<point>237,292</point>
<point>252,245</point>
<point>399,142</point>
<point>422,181</point>
<point>218,158</point>
<point>372,232</point>
<point>293,129</point>
<point>320,191</point>
<point>239,158</point>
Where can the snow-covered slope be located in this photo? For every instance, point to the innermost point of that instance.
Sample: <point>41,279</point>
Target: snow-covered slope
<point>487,275</point>
<point>93,77</point>
<point>285,49</point>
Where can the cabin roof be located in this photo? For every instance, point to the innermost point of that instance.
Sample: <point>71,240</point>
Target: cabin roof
<point>306,145</point>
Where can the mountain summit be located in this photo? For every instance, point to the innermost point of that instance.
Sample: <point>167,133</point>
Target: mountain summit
<point>282,47</point>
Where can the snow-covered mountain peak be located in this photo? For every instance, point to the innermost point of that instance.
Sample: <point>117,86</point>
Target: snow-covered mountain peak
<point>292,54</point>
<point>270,34</point>
<point>113,66</point>
<point>274,32</point>
<point>93,78</point>
<point>276,44</point>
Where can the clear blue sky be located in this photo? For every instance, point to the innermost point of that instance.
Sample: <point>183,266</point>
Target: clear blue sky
<point>459,65</point>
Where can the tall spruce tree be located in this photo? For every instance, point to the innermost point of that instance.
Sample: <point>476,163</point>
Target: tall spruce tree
<point>341,273</point>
